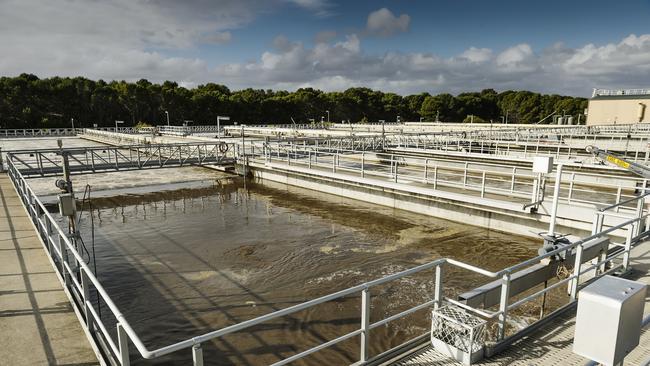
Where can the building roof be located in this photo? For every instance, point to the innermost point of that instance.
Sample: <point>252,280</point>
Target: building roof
<point>621,94</point>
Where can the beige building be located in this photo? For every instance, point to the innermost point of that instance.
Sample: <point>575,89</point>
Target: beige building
<point>607,107</point>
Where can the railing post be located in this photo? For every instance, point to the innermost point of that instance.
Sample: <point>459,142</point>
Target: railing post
<point>618,198</point>
<point>503,305</point>
<point>363,163</point>
<point>594,226</point>
<point>639,214</point>
<point>396,165</point>
<point>197,355</point>
<point>512,181</point>
<point>85,286</point>
<point>437,291</point>
<point>64,253</point>
<point>435,177</point>
<point>483,185</point>
<point>365,324</point>
<point>576,272</point>
<point>465,175</point>
<point>628,245</point>
<point>426,171</point>
<point>573,177</point>
<point>123,340</point>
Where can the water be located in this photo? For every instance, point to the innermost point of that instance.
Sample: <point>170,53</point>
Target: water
<point>186,261</point>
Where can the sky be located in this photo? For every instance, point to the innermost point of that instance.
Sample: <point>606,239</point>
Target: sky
<point>401,46</point>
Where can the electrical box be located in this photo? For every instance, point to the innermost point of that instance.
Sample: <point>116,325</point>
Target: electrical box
<point>608,322</point>
<point>67,206</point>
<point>542,164</point>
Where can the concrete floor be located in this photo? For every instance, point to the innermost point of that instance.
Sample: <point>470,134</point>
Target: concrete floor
<point>37,323</point>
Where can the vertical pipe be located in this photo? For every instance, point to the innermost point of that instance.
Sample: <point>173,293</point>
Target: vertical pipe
<point>556,198</point>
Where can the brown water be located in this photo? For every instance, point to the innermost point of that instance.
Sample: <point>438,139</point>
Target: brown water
<point>183,262</point>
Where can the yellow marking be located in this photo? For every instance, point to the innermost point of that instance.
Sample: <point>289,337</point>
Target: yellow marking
<point>619,162</point>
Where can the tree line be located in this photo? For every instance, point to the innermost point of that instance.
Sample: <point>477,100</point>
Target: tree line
<point>27,101</point>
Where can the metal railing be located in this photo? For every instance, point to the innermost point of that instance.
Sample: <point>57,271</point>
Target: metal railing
<point>79,281</point>
<point>53,132</point>
<point>48,162</point>
<point>611,92</point>
<point>481,178</point>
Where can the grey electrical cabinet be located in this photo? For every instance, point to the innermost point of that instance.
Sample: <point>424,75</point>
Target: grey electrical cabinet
<point>608,322</point>
<point>67,205</point>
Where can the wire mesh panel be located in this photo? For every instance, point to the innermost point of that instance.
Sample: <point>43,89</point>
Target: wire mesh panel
<point>457,333</point>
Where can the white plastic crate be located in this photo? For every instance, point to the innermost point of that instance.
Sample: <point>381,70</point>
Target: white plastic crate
<point>458,334</point>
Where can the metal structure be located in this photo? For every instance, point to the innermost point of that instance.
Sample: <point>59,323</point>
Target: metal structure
<point>48,162</point>
<point>79,280</point>
<point>511,183</point>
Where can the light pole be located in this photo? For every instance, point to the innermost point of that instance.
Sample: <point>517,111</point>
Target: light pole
<point>167,113</point>
<point>219,119</point>
<point>328,115</point>
<point>117,123</point>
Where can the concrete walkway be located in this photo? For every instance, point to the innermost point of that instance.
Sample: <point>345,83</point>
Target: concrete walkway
<point>552,344</point>
<point>37,323</point>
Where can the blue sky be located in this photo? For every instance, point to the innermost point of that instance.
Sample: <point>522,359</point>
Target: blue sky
<point>405,46</point>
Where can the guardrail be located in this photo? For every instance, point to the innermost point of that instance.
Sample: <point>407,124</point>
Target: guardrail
<point>53,132</point>
<point>48,162</point>
<point>482,178</point>
<point>80,282</point>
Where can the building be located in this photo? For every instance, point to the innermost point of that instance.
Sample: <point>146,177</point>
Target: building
<point>618,106</point>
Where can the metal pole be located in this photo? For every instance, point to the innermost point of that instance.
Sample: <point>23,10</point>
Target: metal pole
<point>365,323</point>
<point>437,295</point>
<point>123,340</point>
<point>503,304</point>
<point>556,197</point>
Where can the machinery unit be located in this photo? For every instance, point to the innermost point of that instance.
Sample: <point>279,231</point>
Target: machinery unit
<point>608,322</point>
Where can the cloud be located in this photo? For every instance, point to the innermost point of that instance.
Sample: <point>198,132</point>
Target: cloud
<point>217,38</point>
<point>477,55</point>
<point>321,8</point>
<point>556,69</point>
<point>134,39</point>
<point>324,36</point>
<point>384,23</point>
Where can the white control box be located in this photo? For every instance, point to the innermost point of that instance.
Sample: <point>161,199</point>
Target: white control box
<point>542,164</point>
<point>608,322</point>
